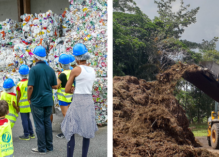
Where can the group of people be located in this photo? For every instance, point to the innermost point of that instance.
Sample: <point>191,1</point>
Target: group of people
<point>34,95</point>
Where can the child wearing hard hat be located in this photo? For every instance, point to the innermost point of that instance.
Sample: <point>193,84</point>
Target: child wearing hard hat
<point>10,97</point>
<point>24,104</point>
<point>6,140</point>
<point>64,98</point>
<point>72,62</point>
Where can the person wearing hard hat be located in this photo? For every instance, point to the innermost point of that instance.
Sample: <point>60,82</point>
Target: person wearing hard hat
<point>24,104</point>
<point>72,62</point>
<point>64,98</point>
<point>53,108</point>
<point>42,80</point>
<point>9,96</point>
<point>81,113</point>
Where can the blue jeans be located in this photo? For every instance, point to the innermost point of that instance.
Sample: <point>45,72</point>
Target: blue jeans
<point>43,125</point>
<point>27,125</point>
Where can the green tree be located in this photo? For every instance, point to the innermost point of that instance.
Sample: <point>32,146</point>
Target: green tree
<point>173,25</point>
<point>134,53</point>
<point>124,5</point>
<point>208,50</point>
<point>197,104</point>
<point>175,22</point>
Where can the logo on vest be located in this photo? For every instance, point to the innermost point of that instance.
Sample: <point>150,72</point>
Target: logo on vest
<point>25,93</point>
<point>6,137</point>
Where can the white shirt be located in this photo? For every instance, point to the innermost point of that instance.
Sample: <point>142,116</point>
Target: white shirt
<point>85,80</point>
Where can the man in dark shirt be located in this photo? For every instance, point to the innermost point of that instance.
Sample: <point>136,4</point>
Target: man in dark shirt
<point>42,80</point>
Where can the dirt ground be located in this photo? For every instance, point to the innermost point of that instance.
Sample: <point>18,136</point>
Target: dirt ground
<point>204,143</point>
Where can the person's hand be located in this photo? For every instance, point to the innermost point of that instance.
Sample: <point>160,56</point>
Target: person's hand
<point>29,101</point>
<point>72,89</point>
<point>17,109</point>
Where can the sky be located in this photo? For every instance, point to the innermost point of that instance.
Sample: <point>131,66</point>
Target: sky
<point>207,25</point>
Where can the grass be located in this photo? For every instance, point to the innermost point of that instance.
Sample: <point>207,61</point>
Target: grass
<point>199,129</point>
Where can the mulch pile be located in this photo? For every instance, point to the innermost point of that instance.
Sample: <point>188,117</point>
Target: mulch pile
<point>148,120</point>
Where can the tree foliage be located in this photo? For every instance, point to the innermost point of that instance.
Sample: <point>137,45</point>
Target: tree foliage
<point>133,50</point>
<point>124,5</point>
<point>175,22</point>
<point>197,104</point>
<point>140,43</point>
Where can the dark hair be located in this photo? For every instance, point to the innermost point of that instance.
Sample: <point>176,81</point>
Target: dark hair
<point>3,108</point>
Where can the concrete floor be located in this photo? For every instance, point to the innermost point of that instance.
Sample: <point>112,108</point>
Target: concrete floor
<point>98,145</point>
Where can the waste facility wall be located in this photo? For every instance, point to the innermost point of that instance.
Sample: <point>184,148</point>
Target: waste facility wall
<point>9,10</point>
<point>42,6</point>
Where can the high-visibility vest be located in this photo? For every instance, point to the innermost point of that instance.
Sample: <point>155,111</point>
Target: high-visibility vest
<point>23,102</point>
<point>12,115</point>
<point>6,141</point>
<point>62,96</point>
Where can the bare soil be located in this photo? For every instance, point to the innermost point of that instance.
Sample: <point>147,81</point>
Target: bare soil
<point>148,120</point>
<point>204,142</point>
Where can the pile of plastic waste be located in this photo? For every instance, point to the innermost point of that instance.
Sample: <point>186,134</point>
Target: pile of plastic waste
<point>84,22</point>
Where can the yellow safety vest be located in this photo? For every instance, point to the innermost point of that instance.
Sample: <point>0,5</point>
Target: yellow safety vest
<point>23,103</point>
<point>12,115</point>
<point>6,141</point>
<point>62,96</point>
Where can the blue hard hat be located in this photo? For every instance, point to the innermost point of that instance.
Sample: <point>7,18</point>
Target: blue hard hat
<point>46,62</point>
<point>64,59</point>
<point>8,83</point>
<point>24,69</point>
<point>79,49</point>
<point>40,51</point>
<point>72,58</point>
